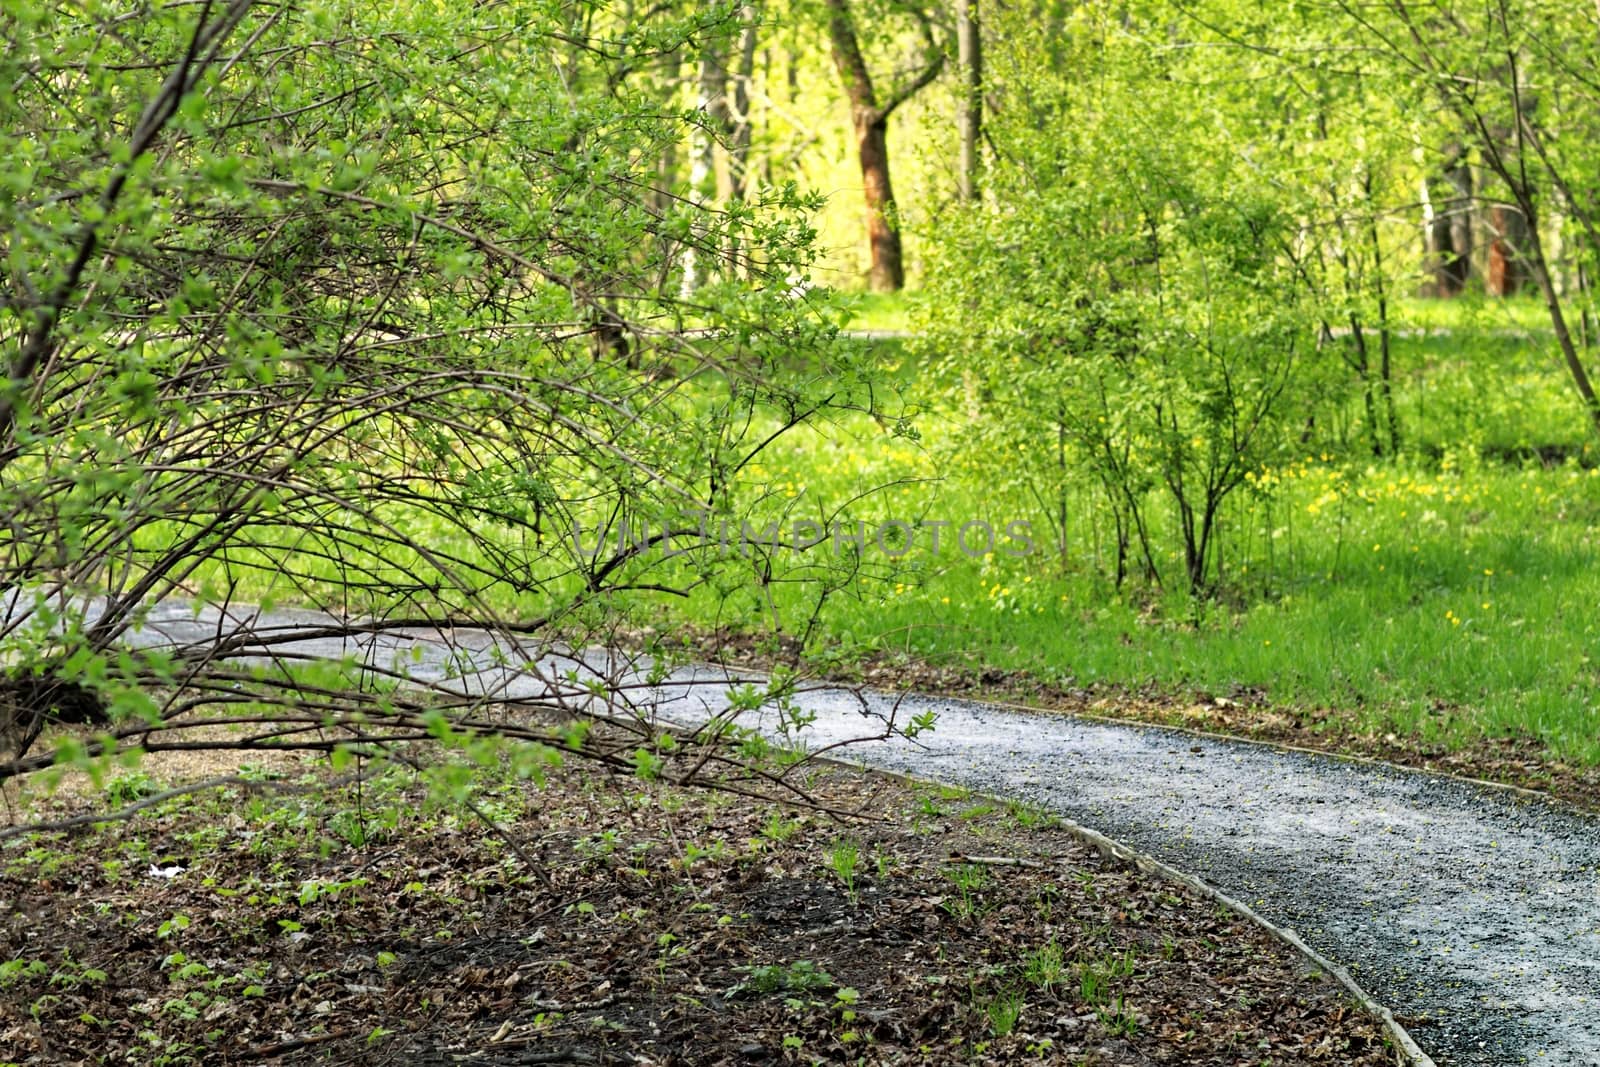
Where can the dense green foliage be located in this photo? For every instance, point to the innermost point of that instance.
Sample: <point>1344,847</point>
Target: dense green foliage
<point>1268,331</point>
<point>363,310</point>
<point>1180,337</point>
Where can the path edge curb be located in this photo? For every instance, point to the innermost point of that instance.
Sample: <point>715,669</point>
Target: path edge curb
<point>1404,1043</point>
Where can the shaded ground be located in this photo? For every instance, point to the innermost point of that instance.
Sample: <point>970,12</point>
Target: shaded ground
<point>1469,911</point>
<point>652,926</point>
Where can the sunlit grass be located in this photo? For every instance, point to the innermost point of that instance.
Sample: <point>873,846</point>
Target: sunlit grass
<point>890,312</point>
<point>1452,605</point>
<point>1446,596</point>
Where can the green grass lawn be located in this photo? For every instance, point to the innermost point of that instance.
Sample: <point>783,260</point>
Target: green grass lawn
<point>1450,605</point>
<point>1447,596</point>
<point>888,312</point>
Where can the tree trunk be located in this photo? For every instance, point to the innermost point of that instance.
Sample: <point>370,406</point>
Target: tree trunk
<point>1381,290</point>
<point>969,44</point>
<point>871,122</point>
<point>887,273</point>
<point>741,129</point>
<point>1558,321</point>
<point>1459,175</point>
<point>712,103</point>
<point>1506,271</point>
<point>659,196</point>
<point>1447,229</point>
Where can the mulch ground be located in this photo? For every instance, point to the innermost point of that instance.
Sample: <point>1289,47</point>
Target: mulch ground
<point>629,922</point>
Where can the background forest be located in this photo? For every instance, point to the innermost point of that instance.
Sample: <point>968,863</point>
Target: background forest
<point>1274,321</point>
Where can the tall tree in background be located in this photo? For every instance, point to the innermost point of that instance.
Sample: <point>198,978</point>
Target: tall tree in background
<point>741,128</point>
<point>1447,224</point>
<point>711,109</point>
<point>1482,66</point>
<point>722,104</point>
<point>870,118</point>
<point>969,120</point>
<point>1508,229</point>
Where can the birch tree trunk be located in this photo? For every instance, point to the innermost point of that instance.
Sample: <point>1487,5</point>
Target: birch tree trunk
<point>712,104</point>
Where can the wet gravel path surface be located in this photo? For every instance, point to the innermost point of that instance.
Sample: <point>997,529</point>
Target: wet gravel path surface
<point>1473,913</point>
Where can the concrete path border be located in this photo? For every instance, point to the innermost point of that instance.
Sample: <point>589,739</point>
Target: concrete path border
<point>1405,1045</point>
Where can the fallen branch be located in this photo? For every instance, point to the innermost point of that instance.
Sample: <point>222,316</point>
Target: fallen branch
<point>1000,861</point>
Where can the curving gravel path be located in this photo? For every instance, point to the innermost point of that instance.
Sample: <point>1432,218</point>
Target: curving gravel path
<point>1473,913</point>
